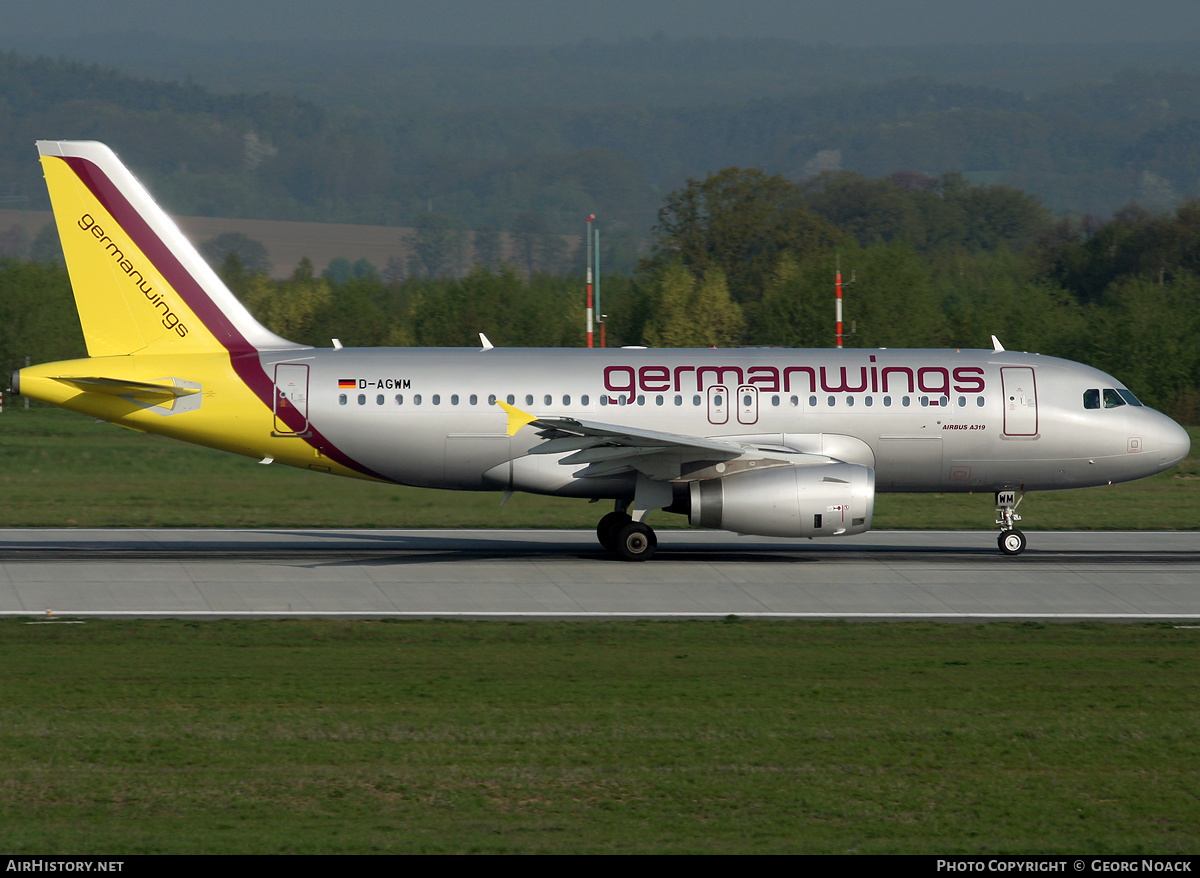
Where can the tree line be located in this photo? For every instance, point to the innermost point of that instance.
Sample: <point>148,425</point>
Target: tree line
<point>741,257</point>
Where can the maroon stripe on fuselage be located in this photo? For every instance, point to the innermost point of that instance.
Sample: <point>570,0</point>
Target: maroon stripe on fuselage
<point>243,356</point>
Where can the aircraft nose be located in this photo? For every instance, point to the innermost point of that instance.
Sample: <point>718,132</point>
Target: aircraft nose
<point>1174,444</point>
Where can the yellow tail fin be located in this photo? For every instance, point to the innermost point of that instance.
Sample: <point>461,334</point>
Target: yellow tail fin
<point>140,286</point>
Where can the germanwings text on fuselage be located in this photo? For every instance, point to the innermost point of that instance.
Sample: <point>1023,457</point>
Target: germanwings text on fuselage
<point>926,379</point>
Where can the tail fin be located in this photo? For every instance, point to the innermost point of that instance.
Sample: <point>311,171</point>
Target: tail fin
<point>140,286</point>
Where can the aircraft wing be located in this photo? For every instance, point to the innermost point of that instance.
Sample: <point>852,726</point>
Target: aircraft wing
<point>611,449</point>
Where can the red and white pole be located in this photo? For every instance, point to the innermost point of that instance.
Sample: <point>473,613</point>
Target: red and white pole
<point>588,232</point>
<point>838,286</point>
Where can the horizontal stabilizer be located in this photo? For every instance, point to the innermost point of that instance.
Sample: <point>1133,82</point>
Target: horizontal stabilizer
<point>117,387</point>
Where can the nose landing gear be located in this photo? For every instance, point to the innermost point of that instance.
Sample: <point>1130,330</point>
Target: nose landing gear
<point>1011,541</point>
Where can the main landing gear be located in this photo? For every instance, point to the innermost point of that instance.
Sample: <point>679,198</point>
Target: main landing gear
<point>631,540</point>
<point>1011,541</point>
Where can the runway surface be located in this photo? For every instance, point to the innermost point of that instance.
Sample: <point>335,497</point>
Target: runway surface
<point>565,574</point>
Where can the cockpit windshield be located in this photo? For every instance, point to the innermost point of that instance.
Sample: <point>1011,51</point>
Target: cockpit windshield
<point>1113,397</point>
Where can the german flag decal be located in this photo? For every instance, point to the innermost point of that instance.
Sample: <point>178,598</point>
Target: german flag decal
<point>344,383</point>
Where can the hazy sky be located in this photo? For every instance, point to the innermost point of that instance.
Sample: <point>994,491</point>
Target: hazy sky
<point>530,22</point>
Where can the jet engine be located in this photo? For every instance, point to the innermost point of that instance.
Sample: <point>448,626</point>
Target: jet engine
<point>818,500</point>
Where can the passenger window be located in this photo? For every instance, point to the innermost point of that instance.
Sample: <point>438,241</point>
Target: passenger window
<point>604,400</point>
<point>379,399</point>
<point>399,399</point>
<point>887,402</point>
<point>905,401</point>
<point>869,401</point>
<point>512,400</point>
<point>454,399</point>
<point>437,399</point>
<point>695,400</point>
<point>812,402</point>
<point>795,401</point>
<point>658,400</point>
<point>583,400</point>
<point>416,399</point>
<point>979,402</point>
<point>342,399</point>
<point>832,400</point>
<point>678,399</point>
<point>566,399</point>
<point>529,399</point>
<point>362,399</point>
<point>962,401</point>
<point>1112,399</point>
<point>549,399</point>
<point>1091,398</point>
<point>641,400</point>
<point>775,400</point>
<point>491,399</point>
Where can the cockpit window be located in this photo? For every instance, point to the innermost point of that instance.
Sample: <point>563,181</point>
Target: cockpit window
<point>1112,399</point>
<point>1091,399</point>
<point>1128,397</point>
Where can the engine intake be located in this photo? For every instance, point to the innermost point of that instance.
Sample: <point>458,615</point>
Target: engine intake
<point>821,500</point>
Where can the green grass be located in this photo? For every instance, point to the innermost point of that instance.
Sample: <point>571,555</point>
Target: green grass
<point>328,737</point>
<point>62,469</point>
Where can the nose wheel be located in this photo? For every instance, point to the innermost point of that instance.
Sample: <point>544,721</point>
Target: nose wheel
<point>1011,540</point>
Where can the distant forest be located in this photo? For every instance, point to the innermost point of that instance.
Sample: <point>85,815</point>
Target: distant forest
<point>496,138</point>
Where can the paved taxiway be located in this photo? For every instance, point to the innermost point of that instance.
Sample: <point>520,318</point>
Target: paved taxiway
<point>565,574</point>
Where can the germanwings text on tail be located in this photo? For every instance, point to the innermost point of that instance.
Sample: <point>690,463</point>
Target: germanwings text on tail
<point>791,443</point>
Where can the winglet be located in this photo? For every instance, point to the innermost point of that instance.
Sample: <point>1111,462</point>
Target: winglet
<point>997,348</point>
<point>516,418</point>
<point>487,345</point>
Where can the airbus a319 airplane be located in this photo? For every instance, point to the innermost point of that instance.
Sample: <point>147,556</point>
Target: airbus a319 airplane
<point>791,443</point>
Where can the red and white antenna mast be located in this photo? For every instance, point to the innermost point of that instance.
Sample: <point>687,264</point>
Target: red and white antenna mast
<point>590,308</point>
<point>838,288</point>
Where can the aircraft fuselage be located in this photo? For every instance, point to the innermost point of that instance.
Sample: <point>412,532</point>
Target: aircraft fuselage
<point>924,420</point>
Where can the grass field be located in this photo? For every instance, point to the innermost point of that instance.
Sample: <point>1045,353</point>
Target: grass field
<point>60,469</point>
<point>733,737</point>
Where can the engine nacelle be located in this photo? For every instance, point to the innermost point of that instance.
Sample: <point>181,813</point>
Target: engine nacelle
<point>821,500</point>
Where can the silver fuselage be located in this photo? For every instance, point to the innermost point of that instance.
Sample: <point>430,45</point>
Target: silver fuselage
<point>924,420</point>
